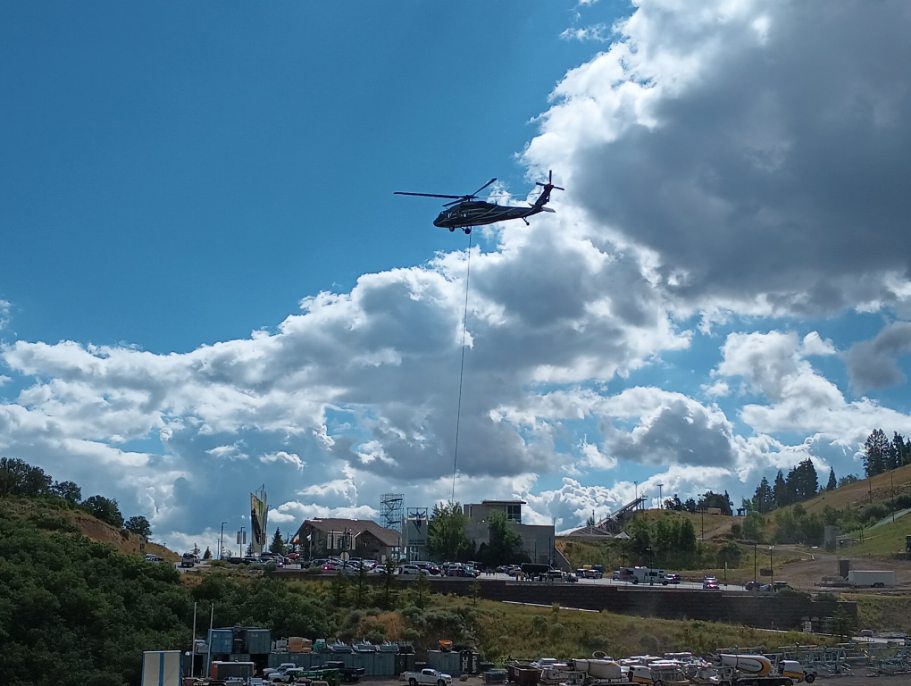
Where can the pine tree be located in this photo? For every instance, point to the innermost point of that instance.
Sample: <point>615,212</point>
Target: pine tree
<point>207,555</point>
<point>780,490</point>
<point>763,498</point>
<point>278,543</point>
<point>902,449</point>
<point>876,449</point>
<point>832,484</point>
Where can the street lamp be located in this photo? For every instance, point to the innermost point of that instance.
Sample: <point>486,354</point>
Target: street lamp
<point>755,565</point>
<point>771,569</point>
<point>651,578</point>
<point>221,542</point>
<point>660,503</point>
<point>636,498</point>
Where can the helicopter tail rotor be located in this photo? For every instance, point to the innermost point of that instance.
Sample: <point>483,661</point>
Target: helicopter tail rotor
<point>544,198</point>
<point>549,184</point>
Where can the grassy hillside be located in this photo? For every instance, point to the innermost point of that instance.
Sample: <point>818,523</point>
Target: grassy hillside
<point>879,489</point>
<point>53,514</point>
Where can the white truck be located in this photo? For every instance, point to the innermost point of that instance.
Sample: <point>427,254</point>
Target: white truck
<point>600,671</point>
<point>871,578</point>
<point>644,575</point>
<point>427,677</point>
<point>758,670</point>
<point>659,673</point>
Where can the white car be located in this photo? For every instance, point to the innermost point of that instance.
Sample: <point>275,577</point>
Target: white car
<point>412,569</point>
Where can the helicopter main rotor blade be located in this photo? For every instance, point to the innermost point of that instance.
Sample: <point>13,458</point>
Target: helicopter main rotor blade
<point>428,195</point>
<point>483,187</point>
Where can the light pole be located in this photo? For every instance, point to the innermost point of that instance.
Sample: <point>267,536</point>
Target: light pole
<point>892,491</point>
<point>660,502</point>
<point>651,579</point>
<point>702,509</point>
<point>242,540</point>
<point>771,570</point>
<point>755,565</point>
<point>221,542</point>
<point>636,497</point>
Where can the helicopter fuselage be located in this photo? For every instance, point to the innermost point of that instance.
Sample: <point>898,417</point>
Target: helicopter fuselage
<point>464,211</point>
<point>477,213</point>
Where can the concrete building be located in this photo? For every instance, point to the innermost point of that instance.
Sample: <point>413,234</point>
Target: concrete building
<point>358,537</point>
<point>537,539</point>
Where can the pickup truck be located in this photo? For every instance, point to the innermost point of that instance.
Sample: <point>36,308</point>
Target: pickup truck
<point>427,677</point>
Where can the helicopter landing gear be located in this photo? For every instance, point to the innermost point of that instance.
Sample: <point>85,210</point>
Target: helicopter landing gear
<point>467,230</point>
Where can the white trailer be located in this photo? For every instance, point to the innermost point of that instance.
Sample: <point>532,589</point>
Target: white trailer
<point>161,668</point>
<point>872,578</point>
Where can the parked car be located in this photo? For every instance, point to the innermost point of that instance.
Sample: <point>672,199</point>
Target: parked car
<point>154,559</point>
<point>672,578</point>
<point>775,587</point>
<point>710,583</point>
<point>752,585</point>
<point>428,567</point>
<point>188,560</point>
<point>412,569</point>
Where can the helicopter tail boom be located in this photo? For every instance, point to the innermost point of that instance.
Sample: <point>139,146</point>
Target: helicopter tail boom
<point>544,198</point>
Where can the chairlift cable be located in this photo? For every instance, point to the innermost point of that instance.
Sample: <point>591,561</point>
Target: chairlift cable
<point>455,455</point>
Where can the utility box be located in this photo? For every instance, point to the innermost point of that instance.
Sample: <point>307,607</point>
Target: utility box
<point>844,566</point>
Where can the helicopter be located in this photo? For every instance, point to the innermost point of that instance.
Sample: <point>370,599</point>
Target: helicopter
<point>465,212</point>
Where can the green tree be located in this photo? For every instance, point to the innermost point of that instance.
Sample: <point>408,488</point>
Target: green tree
<point>446,537</point>
<point>278,543</point>
<point>67,490</point>
<point>138,525</point>
<point>729,554</point>
<point>105,509</point>
<point>876,451</point>
<point>20,478</point>
<point>832,483</point>
<point>752,526</point>
<point>780,491</point>
<point>504,544</point>
<point>764,498</point>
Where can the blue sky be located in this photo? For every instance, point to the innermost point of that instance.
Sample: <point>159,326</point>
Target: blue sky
<point>234,158</point>
<point>206,283</point>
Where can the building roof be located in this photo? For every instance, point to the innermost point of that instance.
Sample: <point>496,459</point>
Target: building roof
<point>387,537</point>
<point>503,502</point>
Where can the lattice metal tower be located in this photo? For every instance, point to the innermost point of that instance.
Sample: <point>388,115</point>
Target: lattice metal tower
<point>392,507</point>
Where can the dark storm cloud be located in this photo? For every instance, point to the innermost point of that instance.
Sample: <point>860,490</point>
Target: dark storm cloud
<point>681,432</point>
<point>873,364</point>
<point>779,165</point>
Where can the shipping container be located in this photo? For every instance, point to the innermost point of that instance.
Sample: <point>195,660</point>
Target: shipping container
<point>384,665</point>
<point>445,661</point>
<point>299,659</point>
<point>259,641</point>
<point>222,641</point>
<point>223,670</point>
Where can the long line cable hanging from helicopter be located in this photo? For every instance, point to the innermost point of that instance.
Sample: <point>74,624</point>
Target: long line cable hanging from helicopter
<point>455,452</point>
